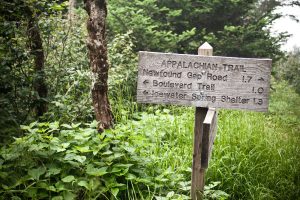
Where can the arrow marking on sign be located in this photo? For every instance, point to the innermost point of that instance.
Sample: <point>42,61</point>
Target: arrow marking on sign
<point>145,92</point>
<point>261,79</point>
<point>145,82</point>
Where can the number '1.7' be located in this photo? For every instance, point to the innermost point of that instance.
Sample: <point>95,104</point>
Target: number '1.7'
<point>247,79</point>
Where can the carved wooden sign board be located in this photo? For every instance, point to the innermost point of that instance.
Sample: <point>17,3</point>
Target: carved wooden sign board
<point>204,81</point>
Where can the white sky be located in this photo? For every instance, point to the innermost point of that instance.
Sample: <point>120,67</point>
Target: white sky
<point>289,25</point>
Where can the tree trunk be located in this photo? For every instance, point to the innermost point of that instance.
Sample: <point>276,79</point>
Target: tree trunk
<point>97,47</point>
<point>36,47</point>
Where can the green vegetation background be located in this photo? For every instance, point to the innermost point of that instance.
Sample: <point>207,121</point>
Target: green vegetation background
<point>148,155</point>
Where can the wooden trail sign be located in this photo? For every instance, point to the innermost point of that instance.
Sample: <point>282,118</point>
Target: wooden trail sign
<point>204,81</point>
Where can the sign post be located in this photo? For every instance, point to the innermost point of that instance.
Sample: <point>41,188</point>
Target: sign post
<point>206,82</point>
<point>198,171</point>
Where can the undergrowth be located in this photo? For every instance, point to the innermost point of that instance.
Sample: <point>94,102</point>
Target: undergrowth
<point>149,156</point>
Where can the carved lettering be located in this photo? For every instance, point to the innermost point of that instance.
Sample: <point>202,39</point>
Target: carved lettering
<point>204,81</point>
<point>170,84</point>
<point>214,77</point>
<point>162,73</point>
<point>192,75</point>
<point>237,99</point>
<point>203,86</point>
<point>168,95</point>
<point>234,68</point>
<point>200,97</point>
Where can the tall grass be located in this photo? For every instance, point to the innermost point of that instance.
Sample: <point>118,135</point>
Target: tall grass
<point>257,156</point>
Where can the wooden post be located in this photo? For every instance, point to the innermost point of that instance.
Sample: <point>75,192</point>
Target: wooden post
<point>209,134</point>
<point>198,172</point>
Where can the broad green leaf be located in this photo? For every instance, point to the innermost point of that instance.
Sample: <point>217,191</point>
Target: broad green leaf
<point>83,149</point>
<point>23,127</point>
<point>185,186</point>
<point>38,147</point>
<point>72,156</point>
<point>60,186</point>
<point>68,195</point>
<point>57,198</point>
<point>123,165</point>
<point>143,180</point>
<point>54,125</point>
<point>114,156</point>
<point>212,185</point>
<point>65,145</point>
<point>75,125</point>
<point>5,187</point>
<point>31,125</point>
<point>84,184</point>
<point>107,152</point>
<point>130,176</point>
<point>53,171</point>
<point>68,179</point>
<point>52,188</point>
<point>93,124</point>
<point>170,194</point>
<point>3,175</point>
<point>97,148</point>
<point>32,192</point>
<point>66,126</point>
<point>37,172</point>
<point>161,198</point>
<point>94,184</point>
<point>58,146</point>
<point>115,184</point>
<point>96,171</point>
<point>114,191</point>
<point>43,185</point>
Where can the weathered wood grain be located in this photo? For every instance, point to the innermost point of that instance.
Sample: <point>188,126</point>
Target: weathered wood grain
<point>204,81</point>
<point>198,172</point>
<point>209,134</point>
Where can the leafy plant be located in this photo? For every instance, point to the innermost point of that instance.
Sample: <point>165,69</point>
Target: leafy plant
<point>65,161</point>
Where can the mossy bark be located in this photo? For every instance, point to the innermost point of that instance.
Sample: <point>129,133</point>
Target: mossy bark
<point>97,46</point>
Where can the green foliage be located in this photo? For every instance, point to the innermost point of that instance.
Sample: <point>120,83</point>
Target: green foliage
<point>289,69</point>
<point>74,161</point>
<point>146,21</point>
<point>235,28</point>
<point>65,161</point>
<point>67,69</point>
<point>17,95</point>
<point>122,76</point>
<point>250,40</point>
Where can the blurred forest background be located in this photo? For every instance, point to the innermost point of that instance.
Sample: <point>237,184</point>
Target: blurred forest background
<point>50,146</point>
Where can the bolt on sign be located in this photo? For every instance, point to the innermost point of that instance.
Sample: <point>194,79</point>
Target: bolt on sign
<point>204,81</point>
